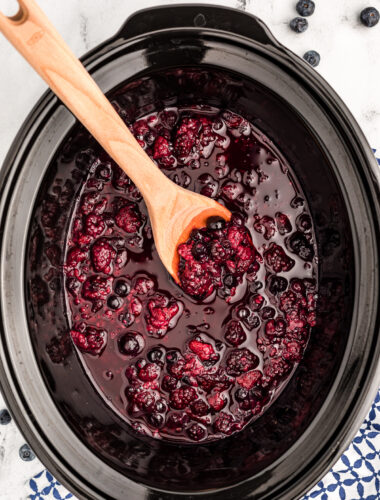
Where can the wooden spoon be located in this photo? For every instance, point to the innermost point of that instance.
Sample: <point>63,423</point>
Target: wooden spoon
<point>173,210</point>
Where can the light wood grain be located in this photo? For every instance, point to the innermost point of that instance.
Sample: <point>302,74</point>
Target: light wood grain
<point>173,211</point>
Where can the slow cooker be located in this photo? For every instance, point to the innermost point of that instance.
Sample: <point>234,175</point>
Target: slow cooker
<point>235,63</point>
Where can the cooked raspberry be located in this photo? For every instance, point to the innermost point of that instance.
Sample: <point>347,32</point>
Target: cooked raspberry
<point>265,225</point>
<point>293,352</point>
<point>161,311</point>
<point>203,350</point>
<point>135,306</point>
<point>88,202</point>
<point>94,225</point>
<point>161,148</point>
<point>143,285</point>
<point>177,421</point>
<point>89,339</point>
<point>249,379</point>
<point>196,432</point>
<point>182,397</point>
<point>189,125</point>
<point>283,223</point>
<point>235,335</point>
<point>184,145</point>
<point>241,361</point>
<point>216,401</point>
<point>169,383</point>
<point>194,281</point>
<point>276,258</point>
<point>199,408</point>
<point>75,256</point>
<point>149,372</point>
<point>102,255</point>
<point>275,327</point>
<point>231,190</point>
<point>218,381</point>
<point>224,423</point>
<point>96,288</point>
<point>140,128</point>
<point>145,401</point>
<point>129,218</point>
<point>276,368</point>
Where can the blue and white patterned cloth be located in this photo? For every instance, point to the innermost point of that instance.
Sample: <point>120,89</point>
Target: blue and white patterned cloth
<point>355,476</point>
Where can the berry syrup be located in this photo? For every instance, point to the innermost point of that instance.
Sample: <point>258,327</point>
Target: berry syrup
<point>199,362</point>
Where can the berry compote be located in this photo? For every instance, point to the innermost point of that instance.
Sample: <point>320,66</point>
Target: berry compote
<point>199,362</point>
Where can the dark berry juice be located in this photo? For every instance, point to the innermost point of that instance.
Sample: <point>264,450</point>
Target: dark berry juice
<point>197,363</point>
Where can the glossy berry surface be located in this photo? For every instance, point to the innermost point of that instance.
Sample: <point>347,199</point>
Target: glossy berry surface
<point>305,7</point>
<point>197,362</point>
<point>370,17</point>
<point>299,24</point>
<point>312,57</point>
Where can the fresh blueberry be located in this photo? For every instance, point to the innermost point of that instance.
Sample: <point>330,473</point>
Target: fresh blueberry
<point>26,453</point>
<point>199,251</point>
<point>299,24</point>
<point>215,223</point>
<point>5,417</point>
<point>122,288</point>
<point>369,17</point>
<point>305,7</point>
<point>312,57</point>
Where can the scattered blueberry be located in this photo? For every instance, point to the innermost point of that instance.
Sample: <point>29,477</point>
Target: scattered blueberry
<point>305,7</point>
<point>369,17</point>
<point>312,57</point>
<point>5,417</point>
<point>26,453</point>
<point>299,24</point>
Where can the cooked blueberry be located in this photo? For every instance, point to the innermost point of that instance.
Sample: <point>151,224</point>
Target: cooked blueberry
<point>299,24</point>
<point>268,312</point>
<point>369,17</point>
<point>114,302</point>
<point>122,288</point>
<point>312,57</point>
<point>277,284</point>
<point>155,419</point>
<point>5,417</point>
<point>305,7</point>
<point>26,453</point>
<point>156,355</point>
<point>243,313</point>
<point>215,223</point>
<point>131,344</point>
<point>229,280</point>
<point>299,244</point>
<point>199,250</point>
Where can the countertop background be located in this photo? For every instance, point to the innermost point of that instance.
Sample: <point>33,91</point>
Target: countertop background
<point>350,52</point>
<point>350,62</point>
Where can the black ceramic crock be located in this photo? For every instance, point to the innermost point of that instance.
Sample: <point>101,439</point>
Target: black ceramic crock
<point>223,57</point>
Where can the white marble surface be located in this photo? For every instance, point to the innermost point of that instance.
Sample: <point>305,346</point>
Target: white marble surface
<point>350,52</point>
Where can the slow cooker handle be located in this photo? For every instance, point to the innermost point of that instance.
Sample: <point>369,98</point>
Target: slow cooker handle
<point>198,16</point>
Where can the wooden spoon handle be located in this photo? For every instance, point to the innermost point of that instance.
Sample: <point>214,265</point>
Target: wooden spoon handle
<point>33,35</point>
